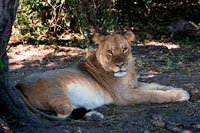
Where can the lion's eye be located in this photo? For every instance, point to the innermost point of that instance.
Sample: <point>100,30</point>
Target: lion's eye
<point>125,50</point>
<point>109,52</point>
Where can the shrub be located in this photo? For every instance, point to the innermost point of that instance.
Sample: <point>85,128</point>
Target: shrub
<point>41,19</point>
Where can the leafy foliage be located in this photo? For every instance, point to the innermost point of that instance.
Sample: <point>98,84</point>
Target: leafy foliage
<point>56,19</point>
<point>40,19</point>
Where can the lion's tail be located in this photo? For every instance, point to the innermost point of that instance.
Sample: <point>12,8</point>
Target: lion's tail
<point>77,113</point>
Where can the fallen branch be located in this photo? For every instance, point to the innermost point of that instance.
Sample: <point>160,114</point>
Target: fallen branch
<point>186,27</point>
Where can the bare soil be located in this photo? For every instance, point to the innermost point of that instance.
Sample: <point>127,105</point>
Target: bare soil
<point>178,67</point>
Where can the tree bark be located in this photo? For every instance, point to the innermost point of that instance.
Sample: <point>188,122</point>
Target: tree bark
<point>10,102</point>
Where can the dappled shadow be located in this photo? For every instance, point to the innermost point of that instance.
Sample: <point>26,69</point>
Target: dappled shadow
<point>151,21</point>
<point>176,67</point>
<point>153,63</point>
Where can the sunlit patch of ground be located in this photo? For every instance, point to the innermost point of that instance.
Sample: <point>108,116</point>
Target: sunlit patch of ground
<point>156,43</point>
<point>27,59</point>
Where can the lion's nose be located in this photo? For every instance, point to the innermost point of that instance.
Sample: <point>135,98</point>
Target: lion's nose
<point>119,65</point>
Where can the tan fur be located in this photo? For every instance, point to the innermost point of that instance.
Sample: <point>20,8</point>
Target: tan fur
<point>107,77</point>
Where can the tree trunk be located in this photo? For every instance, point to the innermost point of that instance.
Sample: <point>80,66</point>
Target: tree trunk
<point>23,120</point>
<point>10,102</point>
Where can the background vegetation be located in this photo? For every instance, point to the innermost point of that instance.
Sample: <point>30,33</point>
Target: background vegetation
<point>47,20</point>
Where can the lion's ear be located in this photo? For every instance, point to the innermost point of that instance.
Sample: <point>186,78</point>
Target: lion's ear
<point>98,39</point>
<point>130,36</point>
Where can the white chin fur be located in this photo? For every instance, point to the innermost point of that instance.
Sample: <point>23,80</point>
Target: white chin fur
<point>119,74</point>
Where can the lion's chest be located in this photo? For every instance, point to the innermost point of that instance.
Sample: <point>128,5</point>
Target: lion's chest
<point>87,95</point>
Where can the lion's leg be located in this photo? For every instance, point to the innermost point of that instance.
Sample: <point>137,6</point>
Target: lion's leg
<point>63,108</point>
<point>61,105</point>
<point>86,114</point>
<point>93,116</point>
<point>154,93</point>
<point>154,86</point>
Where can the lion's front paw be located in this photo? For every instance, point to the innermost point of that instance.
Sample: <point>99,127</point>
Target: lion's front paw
<point>94,116</point>
<point>181,95</point>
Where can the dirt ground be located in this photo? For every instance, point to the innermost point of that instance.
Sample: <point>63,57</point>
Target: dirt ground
<point>155,62</point>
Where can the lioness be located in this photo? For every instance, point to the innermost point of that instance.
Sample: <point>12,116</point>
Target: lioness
<point>107,77</point>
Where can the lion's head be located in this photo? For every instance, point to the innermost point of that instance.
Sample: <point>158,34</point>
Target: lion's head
<point>114,52</point>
